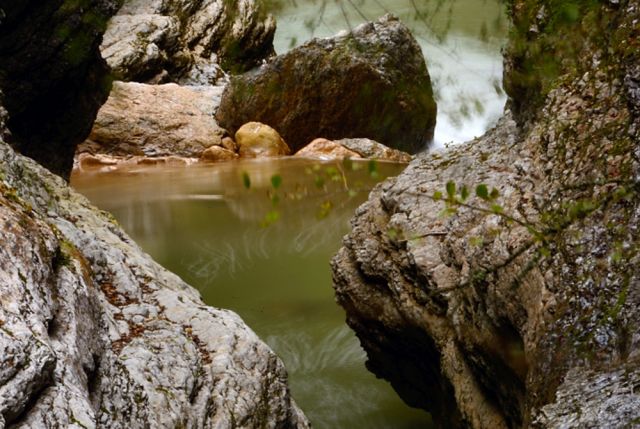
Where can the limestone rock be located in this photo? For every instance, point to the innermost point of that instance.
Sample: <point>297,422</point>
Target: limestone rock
<point>371,83</point>
<point>257,140</point>
<point>217,154</point>
<point>521,308</point>
<point>371,149</point>
<point>326,150</point>
<point>155,121</point>
<point>94,333</point>
<point>52,75</point>
<point>186,41</point>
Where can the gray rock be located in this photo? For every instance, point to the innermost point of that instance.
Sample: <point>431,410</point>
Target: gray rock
<point>371,82</point>
<point>185,41</point>
<point>94,333</point>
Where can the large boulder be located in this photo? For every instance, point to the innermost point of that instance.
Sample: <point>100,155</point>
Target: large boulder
<point>371,82</point>
<point>518,307</point>
<point>155,120</point>
<point>189,42</point>
<point>52,75</point>
<point>94,333</point>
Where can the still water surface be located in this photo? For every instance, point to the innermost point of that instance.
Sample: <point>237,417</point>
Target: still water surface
<point>460,39</point>
<point>203,224</point>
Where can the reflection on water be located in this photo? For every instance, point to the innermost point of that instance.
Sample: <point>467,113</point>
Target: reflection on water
<point>203,224</point>
<point>461,41</point>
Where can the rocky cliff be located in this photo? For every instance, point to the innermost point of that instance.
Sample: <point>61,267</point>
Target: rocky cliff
<point>52,75</point>
<point>94,333</point>
<point>496,284</point>
<point>189,42</point>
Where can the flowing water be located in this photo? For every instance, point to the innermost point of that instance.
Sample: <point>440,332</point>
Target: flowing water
<point>202,223</point>
<point>264,250</point>
<point>460,39</point>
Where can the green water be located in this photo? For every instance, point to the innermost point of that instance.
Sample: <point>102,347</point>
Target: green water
<point>203,224</point>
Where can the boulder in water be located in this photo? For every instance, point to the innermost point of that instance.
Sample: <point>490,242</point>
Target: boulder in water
<point>257,140</point>
<point>371,82</point>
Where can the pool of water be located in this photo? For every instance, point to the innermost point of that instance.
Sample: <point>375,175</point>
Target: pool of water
<point>263,250</point>
<point>461,41</point>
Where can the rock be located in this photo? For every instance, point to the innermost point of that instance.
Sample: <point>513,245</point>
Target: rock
<point>352,148</point>
<point>94,333</point>
<point>371,83</point>
<point>371,149</point>
<point>52,75</point>
<point>258,140</point>
<point>155,121</point>
<point>217,154</point>
<point>520,309</point>
<point>187,42</point>
<point>326,150</point>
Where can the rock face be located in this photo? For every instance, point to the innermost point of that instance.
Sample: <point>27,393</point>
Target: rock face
<point>93,333</point>
<point>52,75</point>
<point>519,307</point>
<point>371,83</point>
<point>155,120</point>
<point>187,41</point>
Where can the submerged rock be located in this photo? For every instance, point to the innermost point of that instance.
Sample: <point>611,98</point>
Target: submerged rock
<point>256,140</point>
<point>155,121</point>
<point>186,41</point>
<point>326,150</point>
<point>371,82</point>
<point>518,307</point>
<point>94,333</point>
<point>52,75</point>
<point>352,148</point>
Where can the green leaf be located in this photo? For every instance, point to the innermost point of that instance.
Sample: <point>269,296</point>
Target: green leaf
<point>373,168</point>
<point>246,180</point>
<point>451,189</point>
<point>494,194</point>
<point>276,181</point>
<point>464,193</point>
<point>324,210</point>
<point>482,191</point>
<point>275,199</point>
<point>437,195</point>
<point>496,208</point>
<point>270,218</point>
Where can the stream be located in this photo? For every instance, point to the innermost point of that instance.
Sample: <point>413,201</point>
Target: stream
<point>266,257</point>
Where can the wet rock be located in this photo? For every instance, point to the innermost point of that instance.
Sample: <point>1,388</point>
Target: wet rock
<point>94,333</point>
<point>52,75</point>
<point>187,42</point>
<point>517,307</point>
<point>371,83</point>
<point>257,140</point>
<point>155,121</point>
<point>371,149</point>
<point>217,154</point>
<point>326,150</point>
<point>352,148</point>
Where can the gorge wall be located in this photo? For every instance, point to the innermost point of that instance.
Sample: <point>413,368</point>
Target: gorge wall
<point>93,332</point>
<point>517,307</point>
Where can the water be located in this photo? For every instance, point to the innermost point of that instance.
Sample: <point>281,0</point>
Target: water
<point>461,41</point>
<point>203,224</point>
